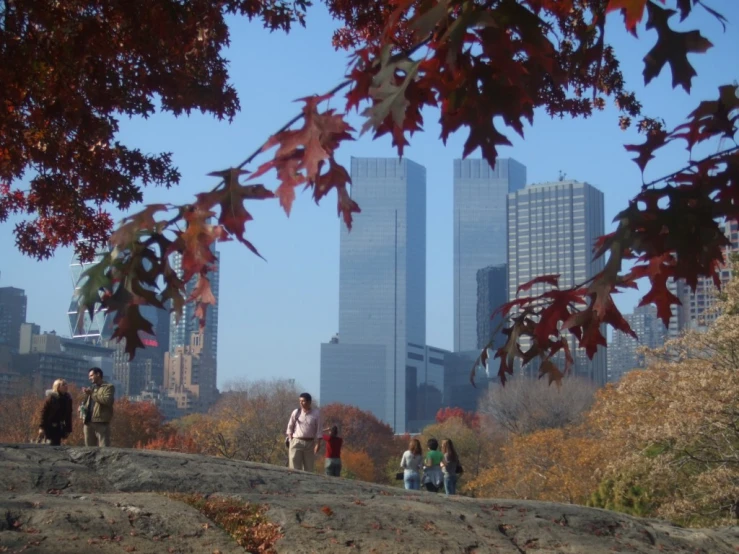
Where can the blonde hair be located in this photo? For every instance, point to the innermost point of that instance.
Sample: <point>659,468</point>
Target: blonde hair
<point>58,383</point>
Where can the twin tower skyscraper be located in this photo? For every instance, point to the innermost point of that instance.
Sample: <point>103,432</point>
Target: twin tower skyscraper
<point>379,361</point>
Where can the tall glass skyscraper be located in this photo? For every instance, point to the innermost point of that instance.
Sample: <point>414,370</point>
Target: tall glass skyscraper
<point>382,290</point>
<point>479,233</point>
<point>552,228</point>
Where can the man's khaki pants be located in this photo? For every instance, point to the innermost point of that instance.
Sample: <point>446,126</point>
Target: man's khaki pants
<point>301,455</point>
<point>97,434</point>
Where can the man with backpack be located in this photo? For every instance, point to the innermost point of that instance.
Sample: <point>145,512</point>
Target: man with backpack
<point>304,435</point>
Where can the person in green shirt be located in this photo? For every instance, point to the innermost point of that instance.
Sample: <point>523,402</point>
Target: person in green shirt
<point>432,475</point>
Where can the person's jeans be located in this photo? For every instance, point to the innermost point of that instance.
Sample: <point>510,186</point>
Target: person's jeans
<point>450,484</point>
<point>333,467</point>
<point>411,480</point>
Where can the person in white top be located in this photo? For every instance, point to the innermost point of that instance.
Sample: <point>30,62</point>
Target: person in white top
<point>304,433</point>
<point>411,463</point>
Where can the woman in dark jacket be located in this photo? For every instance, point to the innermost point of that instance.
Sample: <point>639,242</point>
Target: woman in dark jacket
<point>56,415</point>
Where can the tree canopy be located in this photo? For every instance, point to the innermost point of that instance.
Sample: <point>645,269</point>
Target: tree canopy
<point>70,69</point>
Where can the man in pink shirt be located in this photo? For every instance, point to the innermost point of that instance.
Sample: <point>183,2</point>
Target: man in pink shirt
<point>304,432</point>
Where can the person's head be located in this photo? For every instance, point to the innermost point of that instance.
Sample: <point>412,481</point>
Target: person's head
<point>59,386</point>
<point>334,431</point>
<point>447,447</point>
<point>432,444</point>
<point>96,375</point>
<point>415,447</point>
<point>305,400</point>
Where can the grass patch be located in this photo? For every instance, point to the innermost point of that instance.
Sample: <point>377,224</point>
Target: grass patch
<point>245,522</point>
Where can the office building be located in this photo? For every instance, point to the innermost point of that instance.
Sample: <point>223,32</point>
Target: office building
<point>492,292</point>
<point>382,291</point>
<point>552,228</point>
<point>623,351</point>
<point>13,303</point>
<point>479,234</point>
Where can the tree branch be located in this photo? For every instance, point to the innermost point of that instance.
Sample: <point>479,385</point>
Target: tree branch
<point>690,165</point>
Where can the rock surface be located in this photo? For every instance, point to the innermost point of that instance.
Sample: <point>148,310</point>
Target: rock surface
<point>61,500</point>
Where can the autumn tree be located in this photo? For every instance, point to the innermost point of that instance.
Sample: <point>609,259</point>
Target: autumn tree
<point>525,405</point>
<point>470,419</point>
<point>485,66</point>
<point>20,415</point>
<point>362,431</point>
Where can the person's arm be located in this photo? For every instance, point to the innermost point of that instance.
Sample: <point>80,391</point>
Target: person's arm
<point>402,461</point>
<point>291,425</point>
<point>104,395</point>
<point>319,437</point>
<point>44,416</point>
<point>69,418</point>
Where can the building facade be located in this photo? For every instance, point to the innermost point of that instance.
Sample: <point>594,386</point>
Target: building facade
<point>479,234</point>
<point>13,303</point>
<point>492,292</point>
<point>552,228</point>
<point>382,290</point>
<point>623,351</point>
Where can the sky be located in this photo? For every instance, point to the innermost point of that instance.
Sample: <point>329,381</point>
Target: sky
<point>275,314</point>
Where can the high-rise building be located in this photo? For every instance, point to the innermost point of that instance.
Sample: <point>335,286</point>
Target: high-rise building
<point>552,228</point>
<point>191,364</point>
<point>492,292</point>
<point>623,350</point>
<point>479,234</point>
<point>13,304</point>
<point>147,367</point>
<point>181,331</point>
<point>382,290</point>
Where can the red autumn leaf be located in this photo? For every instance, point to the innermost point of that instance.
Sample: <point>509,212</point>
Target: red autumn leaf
<point>632,10</point>
<point>547,279</point>
<point>129,326</point>
<point>673,48</point>
<point>203,297</point>
<point>328,511</point>
<point>553,373</point>
<point>655,140</point>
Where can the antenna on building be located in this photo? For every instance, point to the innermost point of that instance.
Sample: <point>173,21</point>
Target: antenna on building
<point>562,175</point>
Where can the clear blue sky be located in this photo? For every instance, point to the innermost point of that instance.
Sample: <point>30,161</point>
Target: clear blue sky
<point>274,315</point>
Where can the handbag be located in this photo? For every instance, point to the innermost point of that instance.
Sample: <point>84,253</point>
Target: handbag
<point>460,469</point>
<point>399,476</point>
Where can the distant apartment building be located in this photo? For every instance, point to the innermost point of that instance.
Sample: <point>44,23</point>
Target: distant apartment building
<point>552,228</point>
<point>698,308</point>
<point>190,376</point>
<point>623,350</point>
<point>13,304</point>
<point>480,235</point>
<point>382,293</point>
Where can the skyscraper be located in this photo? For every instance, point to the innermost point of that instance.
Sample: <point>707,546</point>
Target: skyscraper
<point>492,291</point>
<point>622,352</point>
<point>13,303</point>
<point>552,228</point>
<point>191,365</point>
<point>382,290</point>
<point>479,234</point>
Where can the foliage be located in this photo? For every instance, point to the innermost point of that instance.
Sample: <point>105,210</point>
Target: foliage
<point>19,417</point>
<point>134,423</point>
<point>355,464</point>
<point>557,465</point>
<point>363,432</point>
<point>245,522</point>
<point>526,405</point>
<point>482,65</point>
<point>470,419</point>
<point>248,422</point>
<point>621,494</point>
<point>68,72</point>
<point>169,439</point>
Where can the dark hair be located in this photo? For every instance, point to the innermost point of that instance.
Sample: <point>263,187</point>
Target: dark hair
<point>307,396</point>
<point>334,431</point>
<point>432,444</point>
<point>97,371</point>
<point>447,446</point>
<point>415,447</point>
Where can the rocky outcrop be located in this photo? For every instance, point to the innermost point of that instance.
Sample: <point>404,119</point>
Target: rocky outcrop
<point>62,500</point>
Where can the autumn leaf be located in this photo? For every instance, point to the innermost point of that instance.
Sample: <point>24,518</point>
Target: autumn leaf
<point>672,47</point>
<point>328,511</point>
<point>552,280</point>
<point>632,10</point>
<point>203,296</point>
<point>655,139</point>
<point>553,373</point>
<point>129,325</point>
